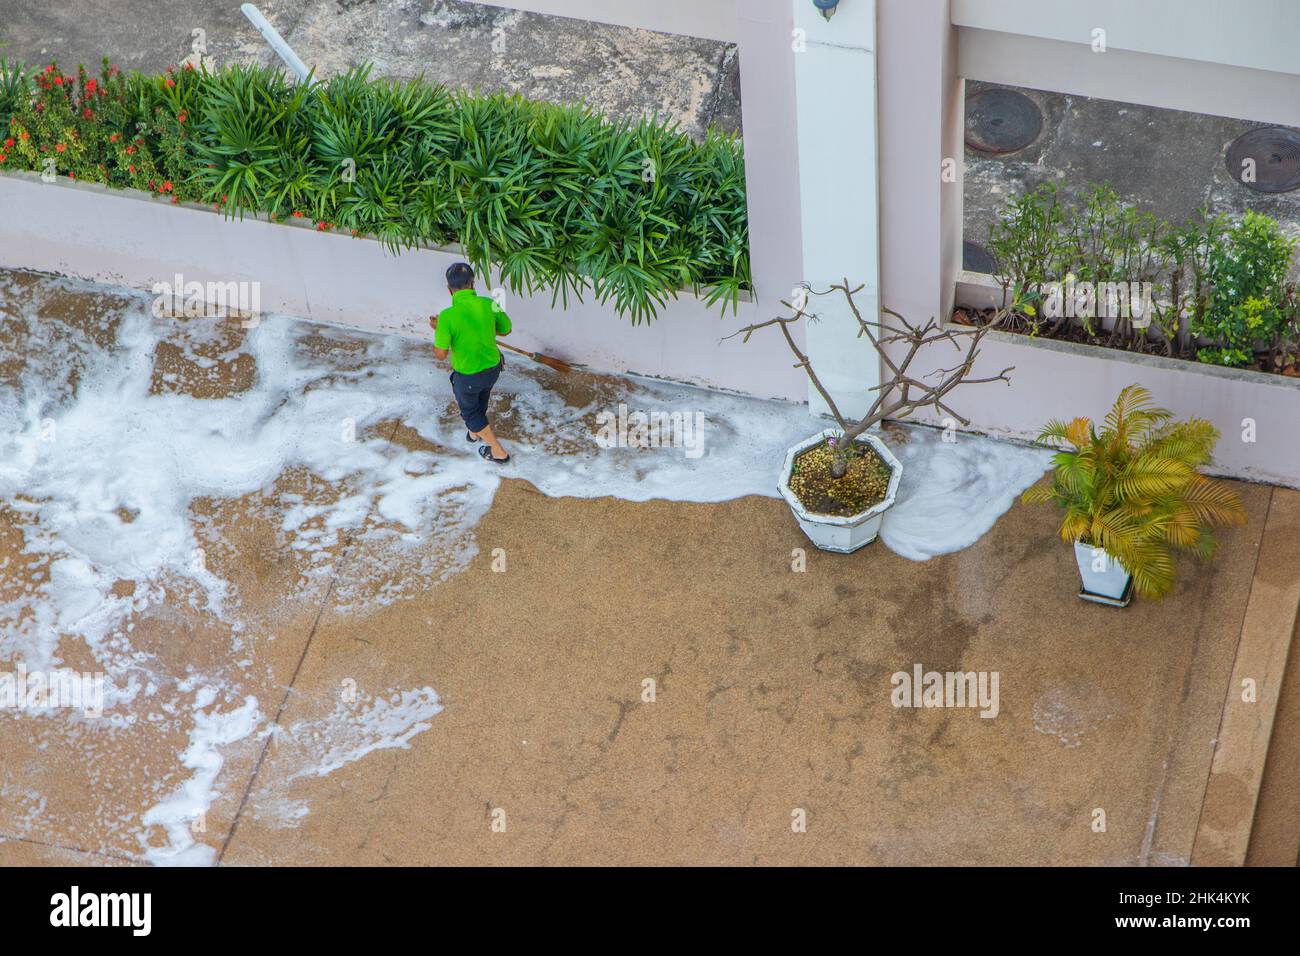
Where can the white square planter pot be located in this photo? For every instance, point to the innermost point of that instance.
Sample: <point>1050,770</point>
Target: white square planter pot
<point>830,533</point>
<point>1109,582</point>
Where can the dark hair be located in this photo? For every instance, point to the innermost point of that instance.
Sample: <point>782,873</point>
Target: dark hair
<point>460,276</point>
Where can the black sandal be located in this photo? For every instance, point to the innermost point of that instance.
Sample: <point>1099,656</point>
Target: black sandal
<point>485,451</point>
<point>469,437</point>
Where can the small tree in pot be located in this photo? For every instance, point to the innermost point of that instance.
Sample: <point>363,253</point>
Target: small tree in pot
<point>839,483</point>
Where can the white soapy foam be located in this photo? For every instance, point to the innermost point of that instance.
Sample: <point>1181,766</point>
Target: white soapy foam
<point>117,448</point>
<point>954,488</point>
<point>1071,714</point>
<point>177,814</point>
<point>282,813</point>
<point>356,729</point>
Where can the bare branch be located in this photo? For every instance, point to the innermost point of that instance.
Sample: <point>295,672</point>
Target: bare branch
<point>901,393</point>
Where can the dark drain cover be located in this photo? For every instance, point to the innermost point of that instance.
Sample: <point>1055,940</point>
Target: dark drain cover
<point>975,258</point>
<point>1001,121</point>
<point>1275,151</point>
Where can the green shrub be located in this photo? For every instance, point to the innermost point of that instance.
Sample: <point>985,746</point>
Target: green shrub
<point>558,198</point>
<point>1028,239</point>
<point>1040,239</point>
<point>1248,270</point>
<point>15,89</point>
<point>1218,283</point>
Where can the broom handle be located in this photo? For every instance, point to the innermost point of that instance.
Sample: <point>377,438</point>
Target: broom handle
<point>547,360</point>
<point>516,349</point>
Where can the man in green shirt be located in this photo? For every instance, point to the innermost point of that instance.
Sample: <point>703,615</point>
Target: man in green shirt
<point>468,330</point>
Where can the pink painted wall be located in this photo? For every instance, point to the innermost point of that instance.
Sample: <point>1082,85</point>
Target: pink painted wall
<point>769,115</point>
<point>919,116</point>
<point>129,239</point>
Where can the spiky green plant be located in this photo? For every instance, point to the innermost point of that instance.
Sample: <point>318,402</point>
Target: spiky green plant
<point>15,89</point>
<point>1133,488</point>
<point>555,198</point>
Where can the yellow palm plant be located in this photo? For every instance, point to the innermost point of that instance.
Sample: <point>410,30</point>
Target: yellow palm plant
<point>1133,488</point>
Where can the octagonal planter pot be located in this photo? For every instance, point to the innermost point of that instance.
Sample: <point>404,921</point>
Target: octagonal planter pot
<point>829,532</point>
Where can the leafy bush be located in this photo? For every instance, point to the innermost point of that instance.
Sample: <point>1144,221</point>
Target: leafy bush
<point>1040,239</point>
<point>1028,240</point>
<point>559,198</point>
<point>1133,488</point>
<point>1248,269</point>
<point>15,87</point>
<point>1211,282</point>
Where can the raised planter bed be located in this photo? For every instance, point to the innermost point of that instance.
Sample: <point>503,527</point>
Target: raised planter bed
<point>134,239</point>
<point>1257,413</point>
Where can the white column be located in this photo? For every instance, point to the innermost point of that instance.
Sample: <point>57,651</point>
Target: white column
<point>835,93</point>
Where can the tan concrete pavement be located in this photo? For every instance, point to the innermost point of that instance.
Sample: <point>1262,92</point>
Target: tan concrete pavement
<point>771,688</point>
<point>772,696</point>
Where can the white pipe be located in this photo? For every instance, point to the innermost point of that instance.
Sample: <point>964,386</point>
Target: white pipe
<point>272,36</point>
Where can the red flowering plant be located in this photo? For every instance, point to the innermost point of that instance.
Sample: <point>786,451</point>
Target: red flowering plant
<point>77,126</point>
<point>15,91</point>
<point>117,128</point>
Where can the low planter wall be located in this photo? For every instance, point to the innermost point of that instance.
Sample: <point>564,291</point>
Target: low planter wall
<point>1258,414</point>
<point>133,239</point>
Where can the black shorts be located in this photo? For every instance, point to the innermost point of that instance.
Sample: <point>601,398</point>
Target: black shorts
<point>473,393</point>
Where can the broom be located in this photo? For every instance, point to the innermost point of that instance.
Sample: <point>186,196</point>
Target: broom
<point>563,368</point>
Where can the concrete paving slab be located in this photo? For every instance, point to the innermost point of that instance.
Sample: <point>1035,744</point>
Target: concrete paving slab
<point>1275,833</point>
<point>14,852</point>
<point>86,784</point>
<point>772,696</point>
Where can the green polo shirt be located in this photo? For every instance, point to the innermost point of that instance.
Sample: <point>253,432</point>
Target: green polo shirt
<point>469,327</point>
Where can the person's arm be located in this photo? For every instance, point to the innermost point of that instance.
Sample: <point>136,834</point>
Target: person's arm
<point>441,339</point>
<point>503,322</point>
